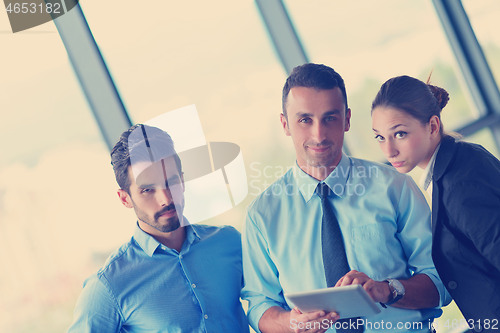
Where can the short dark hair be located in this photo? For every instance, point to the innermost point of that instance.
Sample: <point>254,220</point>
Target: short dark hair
<point>123,149</point>
<point>313,76</point>
<point>412,96</point>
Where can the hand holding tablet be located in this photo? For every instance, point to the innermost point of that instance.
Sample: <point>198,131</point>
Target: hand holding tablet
<point>348,301</point>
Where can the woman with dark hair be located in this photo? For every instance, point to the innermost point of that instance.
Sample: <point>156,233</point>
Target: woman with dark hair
<point>463,180</point>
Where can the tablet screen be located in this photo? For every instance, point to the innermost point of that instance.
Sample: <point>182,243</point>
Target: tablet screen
<point>348,301</point>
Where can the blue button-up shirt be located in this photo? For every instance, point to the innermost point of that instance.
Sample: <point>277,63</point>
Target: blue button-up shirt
<point>147,287</point>
<point>385,224</point>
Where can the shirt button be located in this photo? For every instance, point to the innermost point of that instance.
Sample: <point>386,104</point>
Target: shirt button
<point>452,285</point>
<point>193,285</point>
<point>205,316</point>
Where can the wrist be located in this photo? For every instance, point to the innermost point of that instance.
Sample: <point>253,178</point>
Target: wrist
<point>389,294</point>
<point>396,291</point>
<point>275,319</point>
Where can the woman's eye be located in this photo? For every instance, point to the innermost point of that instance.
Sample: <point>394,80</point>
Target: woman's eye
<point>400,135</point>
<point>379,138</point>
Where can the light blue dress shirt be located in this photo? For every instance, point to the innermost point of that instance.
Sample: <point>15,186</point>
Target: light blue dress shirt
<point>147,287</point>
<point>385,223</point>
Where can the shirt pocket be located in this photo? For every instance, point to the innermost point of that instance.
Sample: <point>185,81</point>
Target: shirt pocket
<point>377,251</point>
<point>366,232</point>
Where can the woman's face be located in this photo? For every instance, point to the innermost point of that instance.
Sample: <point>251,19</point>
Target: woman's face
<point>404,140</point>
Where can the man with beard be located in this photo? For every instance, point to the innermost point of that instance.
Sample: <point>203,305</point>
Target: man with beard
<point>171,276</point>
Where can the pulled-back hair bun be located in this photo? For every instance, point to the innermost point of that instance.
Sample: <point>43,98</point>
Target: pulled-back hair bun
<point>418,99</point>
<point>440,94</point>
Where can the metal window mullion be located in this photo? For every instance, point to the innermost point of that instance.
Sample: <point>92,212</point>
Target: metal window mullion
<point>471,59</point>
<point>93,75</point>
<point>282,33</point>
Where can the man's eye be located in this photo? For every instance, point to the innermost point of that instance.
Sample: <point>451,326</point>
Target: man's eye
<point>400,135</point>
<point>379,138</point>
<point>146,190</point>
<point>305,120</point>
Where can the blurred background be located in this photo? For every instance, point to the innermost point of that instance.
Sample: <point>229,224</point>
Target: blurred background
<point>59,213</point>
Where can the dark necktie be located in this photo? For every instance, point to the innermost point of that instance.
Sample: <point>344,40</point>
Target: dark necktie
<point>332,245</point>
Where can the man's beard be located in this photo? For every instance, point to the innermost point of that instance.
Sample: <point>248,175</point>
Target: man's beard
<point>173,222</point>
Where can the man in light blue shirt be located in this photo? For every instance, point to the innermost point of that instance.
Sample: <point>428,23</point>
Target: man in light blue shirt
<point>171,276</point>
<point>383,217</point>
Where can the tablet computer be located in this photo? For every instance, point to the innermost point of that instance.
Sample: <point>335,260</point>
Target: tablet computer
<point>348,301</point>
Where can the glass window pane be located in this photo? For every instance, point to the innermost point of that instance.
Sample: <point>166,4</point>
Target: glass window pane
<point>58,211</point>
<point>218,57</point>
<point>483,15</point>
<point>369,42</point>
<point>485,139</point>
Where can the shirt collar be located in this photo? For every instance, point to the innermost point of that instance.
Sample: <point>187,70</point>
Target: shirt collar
<point>149,244</point>
<point>426,178</point>
<point>336,180</point>
<point>192,236</point>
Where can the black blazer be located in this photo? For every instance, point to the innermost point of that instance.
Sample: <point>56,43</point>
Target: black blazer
<point>466,229</point>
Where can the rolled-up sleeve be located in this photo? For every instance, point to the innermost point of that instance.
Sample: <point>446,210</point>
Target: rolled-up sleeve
<point>262,287</point>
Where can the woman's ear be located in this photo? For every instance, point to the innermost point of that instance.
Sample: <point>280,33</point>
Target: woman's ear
<point>435,125</point>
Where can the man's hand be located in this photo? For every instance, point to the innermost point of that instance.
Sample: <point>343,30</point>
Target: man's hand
<point>314,322</point>
<point>420,291</point>
<point>379,291</point>
<point>278,320</point>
